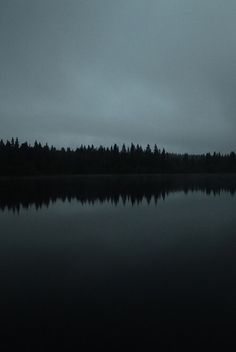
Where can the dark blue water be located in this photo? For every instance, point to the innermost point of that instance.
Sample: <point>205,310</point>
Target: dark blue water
<point>115,268</point>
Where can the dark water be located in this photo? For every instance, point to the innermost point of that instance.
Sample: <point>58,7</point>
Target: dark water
<point>118,261</point>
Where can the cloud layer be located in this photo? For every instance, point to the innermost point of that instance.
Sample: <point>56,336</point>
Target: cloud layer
<point>142,71</point>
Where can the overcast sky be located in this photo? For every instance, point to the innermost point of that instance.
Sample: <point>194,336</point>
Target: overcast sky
<point>114,71</point>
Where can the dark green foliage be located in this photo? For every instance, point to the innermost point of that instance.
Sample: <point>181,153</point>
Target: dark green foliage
<point>23,159</point>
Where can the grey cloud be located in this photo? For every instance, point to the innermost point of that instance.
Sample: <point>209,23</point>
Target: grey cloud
<point>105,71</point>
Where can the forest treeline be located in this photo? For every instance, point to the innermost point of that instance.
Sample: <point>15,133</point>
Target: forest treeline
<point>25,159</point>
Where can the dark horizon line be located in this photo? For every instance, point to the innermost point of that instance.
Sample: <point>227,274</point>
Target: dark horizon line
<point>24,159</point>
<point>128,146</point>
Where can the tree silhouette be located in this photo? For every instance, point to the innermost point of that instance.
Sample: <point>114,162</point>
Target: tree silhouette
<point>23,159</point>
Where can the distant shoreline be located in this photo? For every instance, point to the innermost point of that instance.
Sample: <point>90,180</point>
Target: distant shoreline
<point>37,160</point>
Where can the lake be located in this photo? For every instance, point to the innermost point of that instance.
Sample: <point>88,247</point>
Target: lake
<point>107,260</point>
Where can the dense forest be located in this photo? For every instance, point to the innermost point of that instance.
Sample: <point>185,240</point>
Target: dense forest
<point>25,159</point>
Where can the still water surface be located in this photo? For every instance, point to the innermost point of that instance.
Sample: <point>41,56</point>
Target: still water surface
<point>113,266</point>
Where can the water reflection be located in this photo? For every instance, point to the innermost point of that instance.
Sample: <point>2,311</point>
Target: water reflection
<point>102,274</point>
<point>39,192</point>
